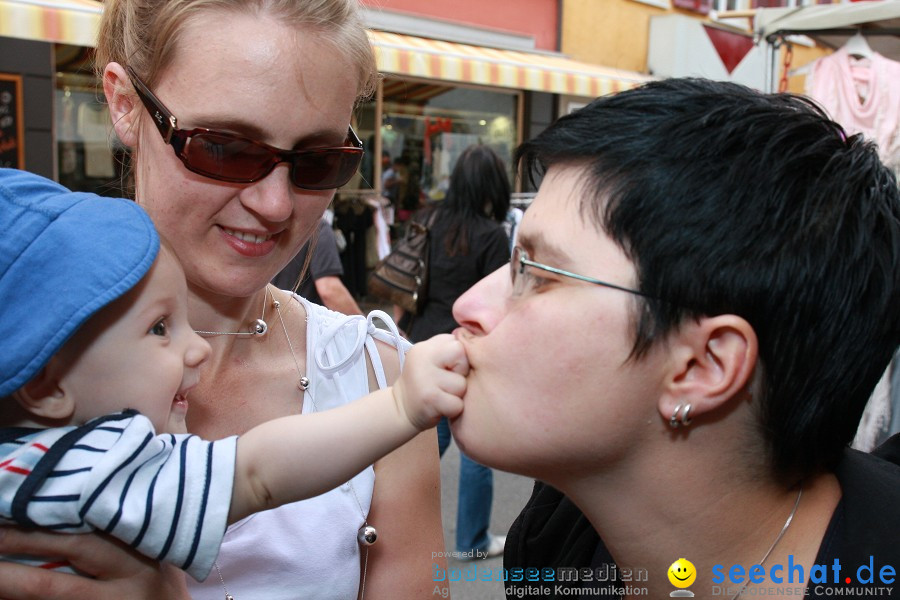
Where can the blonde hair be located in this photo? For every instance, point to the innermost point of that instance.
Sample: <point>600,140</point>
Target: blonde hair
<point>145,34</point>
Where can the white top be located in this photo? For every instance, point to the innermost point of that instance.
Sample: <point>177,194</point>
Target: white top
<point>863,95</point>
<point>156,493</point>
<point>308,549</point>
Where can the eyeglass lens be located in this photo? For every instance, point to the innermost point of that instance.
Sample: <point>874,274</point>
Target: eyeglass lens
<point>516,270</point>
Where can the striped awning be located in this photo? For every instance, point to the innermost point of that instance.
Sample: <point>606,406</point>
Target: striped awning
<point>63,21</point>
<point>464,63</point>
<point>77,21</point>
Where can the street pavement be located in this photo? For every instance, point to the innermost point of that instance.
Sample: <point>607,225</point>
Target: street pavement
<point>510,494</point>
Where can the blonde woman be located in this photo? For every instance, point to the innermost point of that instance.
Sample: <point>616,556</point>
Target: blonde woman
<point>237,114</point>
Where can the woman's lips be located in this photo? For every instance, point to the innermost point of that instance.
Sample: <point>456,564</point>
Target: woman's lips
<point>249,243</point>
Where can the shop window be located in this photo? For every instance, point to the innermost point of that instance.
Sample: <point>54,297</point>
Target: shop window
<point>699,6</point>
<point>728,5</point>
<point>89,155</point>
<point>364,124</point>
<point>426,126</point>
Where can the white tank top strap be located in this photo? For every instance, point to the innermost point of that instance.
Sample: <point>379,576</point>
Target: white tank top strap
<point>330,359</point>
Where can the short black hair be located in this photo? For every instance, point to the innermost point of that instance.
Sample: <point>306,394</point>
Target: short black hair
<point>730,201</point>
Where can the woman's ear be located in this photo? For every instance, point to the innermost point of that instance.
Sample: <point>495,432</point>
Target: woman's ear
<point>43,397</point>
<point>124,106</point>
<point>714,359</point>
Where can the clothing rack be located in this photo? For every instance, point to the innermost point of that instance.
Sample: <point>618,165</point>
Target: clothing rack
<point>521,199</point>
<point>773,38</point>
<point>357,192</point>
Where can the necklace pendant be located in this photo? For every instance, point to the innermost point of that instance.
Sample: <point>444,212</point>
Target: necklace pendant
<point>367,535</point>
<point>259,327</point>
<point>229,597</point>
<point>303,384</point>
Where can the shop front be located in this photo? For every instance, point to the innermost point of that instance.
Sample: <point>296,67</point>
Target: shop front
<point>36,37</point>
<point>438,97</point>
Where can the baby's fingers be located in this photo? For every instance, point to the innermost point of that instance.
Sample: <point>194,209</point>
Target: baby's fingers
<point>447,400</point>
<point>452,383</point>
<point>461,365</point>
<point>449,353</point>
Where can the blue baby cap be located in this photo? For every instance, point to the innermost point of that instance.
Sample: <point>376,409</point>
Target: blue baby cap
<point>63,256</point>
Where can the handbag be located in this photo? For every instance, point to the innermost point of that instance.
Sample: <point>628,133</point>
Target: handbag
<point>401,277</point>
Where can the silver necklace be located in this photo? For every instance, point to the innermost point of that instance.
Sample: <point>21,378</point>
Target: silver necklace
<point>258,327</point>
<point>775,543</point>
<point>367,534</point>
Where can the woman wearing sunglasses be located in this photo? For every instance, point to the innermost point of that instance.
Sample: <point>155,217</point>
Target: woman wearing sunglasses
<point>237,115</point>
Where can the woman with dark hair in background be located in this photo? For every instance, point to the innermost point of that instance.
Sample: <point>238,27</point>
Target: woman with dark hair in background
<point>468,241</point>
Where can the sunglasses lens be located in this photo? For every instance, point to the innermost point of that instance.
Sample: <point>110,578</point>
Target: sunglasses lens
<point>226,158</point>
<point>325,169</point>
<point>232,158</point>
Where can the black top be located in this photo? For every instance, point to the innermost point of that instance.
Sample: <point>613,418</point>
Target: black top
<point>551,532</point>
<point>450,277</point>
<point>325,261</point>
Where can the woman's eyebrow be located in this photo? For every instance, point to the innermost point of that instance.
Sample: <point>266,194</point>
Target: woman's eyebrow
<point>541,249</point>
<point>253,131</point>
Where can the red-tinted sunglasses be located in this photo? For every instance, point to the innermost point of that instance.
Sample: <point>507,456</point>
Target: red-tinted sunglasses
<point>234,158</point>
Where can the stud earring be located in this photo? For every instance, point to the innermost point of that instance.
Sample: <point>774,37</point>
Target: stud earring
<point>680,416</point>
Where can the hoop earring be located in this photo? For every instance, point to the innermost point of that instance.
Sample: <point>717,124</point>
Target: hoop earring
<point>683,419</point>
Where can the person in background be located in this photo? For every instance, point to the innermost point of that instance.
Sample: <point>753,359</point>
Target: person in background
<point>321,278</point>
<point>702,297</point>
<point>237,181</point>
<point>468,241</point>
<point>395,183</point>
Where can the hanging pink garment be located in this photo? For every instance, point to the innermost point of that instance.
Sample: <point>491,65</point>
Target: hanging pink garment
<point>863,95</point>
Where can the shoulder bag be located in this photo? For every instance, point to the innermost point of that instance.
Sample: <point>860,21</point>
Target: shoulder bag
<point>401,277</point>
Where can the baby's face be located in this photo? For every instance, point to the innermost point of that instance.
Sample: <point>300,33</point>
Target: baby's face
<point>139,352</point>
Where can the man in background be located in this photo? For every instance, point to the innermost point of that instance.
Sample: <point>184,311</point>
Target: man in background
<point>322,281</point>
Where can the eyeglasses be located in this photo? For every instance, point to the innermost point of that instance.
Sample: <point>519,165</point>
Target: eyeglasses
<point>522,281</point>
<point>228,157</point>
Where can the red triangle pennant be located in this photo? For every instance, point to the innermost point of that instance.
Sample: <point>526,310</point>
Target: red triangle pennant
<point>731,46</point>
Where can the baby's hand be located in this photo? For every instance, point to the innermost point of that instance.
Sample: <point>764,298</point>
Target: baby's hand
<point>433,381</point>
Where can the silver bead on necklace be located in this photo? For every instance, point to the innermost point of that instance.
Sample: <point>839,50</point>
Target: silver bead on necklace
<point>258,327</point>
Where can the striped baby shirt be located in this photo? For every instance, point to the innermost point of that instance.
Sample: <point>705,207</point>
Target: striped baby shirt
<point>167,496</point>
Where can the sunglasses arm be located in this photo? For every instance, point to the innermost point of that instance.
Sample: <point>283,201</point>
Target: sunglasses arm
<point>165,121</point>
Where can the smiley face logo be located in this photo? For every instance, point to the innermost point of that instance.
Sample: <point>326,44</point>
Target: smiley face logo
<point>682,573</point>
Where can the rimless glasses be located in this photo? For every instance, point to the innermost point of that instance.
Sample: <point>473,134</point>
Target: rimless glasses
<point>522,281</point>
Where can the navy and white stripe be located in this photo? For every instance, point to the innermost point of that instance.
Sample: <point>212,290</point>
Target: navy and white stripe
<point>166,495</point>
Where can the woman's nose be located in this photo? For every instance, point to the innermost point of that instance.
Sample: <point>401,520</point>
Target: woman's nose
<point>272,197</point>
<point>484,304</point>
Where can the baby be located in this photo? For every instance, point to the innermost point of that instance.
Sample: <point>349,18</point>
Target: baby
<point>97,356</point>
